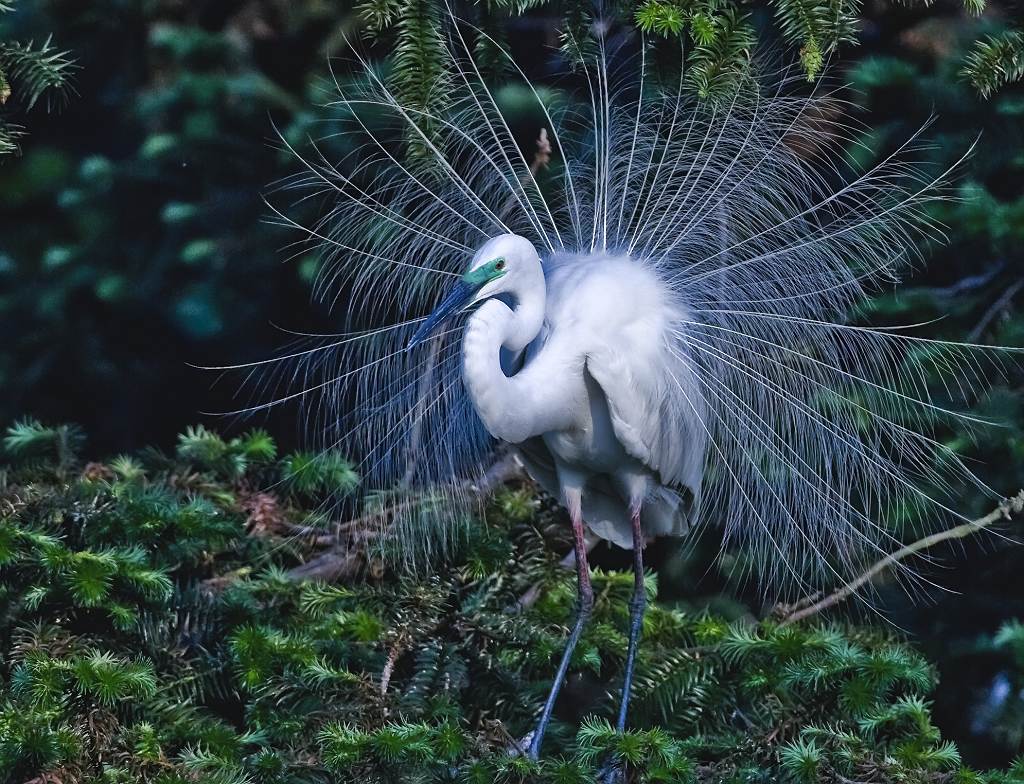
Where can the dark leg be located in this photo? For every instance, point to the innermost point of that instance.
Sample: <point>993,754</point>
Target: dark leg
<point>584,606</point>
<point>636,616</point>
<point>612,772</point>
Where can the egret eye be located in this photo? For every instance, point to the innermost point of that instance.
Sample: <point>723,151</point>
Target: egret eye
<point>499,264</point>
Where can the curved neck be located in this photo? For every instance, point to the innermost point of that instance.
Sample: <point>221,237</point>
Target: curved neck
<point>492,327</point>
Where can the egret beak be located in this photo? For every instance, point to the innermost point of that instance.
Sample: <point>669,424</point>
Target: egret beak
<point>456,299</point>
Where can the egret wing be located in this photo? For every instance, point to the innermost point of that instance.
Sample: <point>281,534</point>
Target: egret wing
<point>656,408</point>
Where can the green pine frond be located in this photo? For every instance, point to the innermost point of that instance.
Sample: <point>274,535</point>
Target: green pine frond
<point>490,47</point>
<point>256,445</point>
<point>201,445</point>
<point>801,759</point>
<point>379,14</point>
<point>713,71</point>
<point>995,62</point>
<point>577,45</point>
<point>127,468</point>
<point>307,473</point>
<point>29,438</point>
<point>9,135</point>
<point>662,18</point>
<point>420,68</point>
<point>817,27</point>
<point>703,30</point>
<point>178,615</point>
<point>36,72</point>
<point>1011,636</point>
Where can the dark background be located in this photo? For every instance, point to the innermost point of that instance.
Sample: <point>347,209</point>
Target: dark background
<point>134,243</point>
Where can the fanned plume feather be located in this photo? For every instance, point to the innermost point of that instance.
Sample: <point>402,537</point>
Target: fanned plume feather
<point>817,429</point>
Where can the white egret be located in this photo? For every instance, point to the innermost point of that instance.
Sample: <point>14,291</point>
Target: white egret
<point>658,320</point>
<point>603,413</point>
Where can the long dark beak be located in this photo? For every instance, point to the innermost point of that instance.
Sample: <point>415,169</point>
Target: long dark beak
<point>454,301</point>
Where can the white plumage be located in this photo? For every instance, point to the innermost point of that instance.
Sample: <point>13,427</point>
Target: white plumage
<point>596,402</point>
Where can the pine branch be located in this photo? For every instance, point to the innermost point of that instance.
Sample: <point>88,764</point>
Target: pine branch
<point>717,68</point>
<point>661,18</point>
<point>29,438</point>
<point>420,67</point>
<point>995,62</point>
<point>395,678</point>
<point>818,28</point>
<point>37,72</point>
<point>9,135</point>
<point>1005,511</point>
<point>575,33</point>
<point>379,14</point>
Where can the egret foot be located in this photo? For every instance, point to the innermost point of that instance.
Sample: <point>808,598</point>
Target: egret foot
<point>612,773</point>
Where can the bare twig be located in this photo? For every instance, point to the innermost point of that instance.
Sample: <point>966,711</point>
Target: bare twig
<point>997,307</point>
<point>1005,511</point>
<point>331,566</point>
<point>389,666</point>
<point>542,157</point>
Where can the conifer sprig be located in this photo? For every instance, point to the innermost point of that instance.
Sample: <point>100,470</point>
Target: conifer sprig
<point>716,34</point>
<point>996,61</point>
<point>30,73</point>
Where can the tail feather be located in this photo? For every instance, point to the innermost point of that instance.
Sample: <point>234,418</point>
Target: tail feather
<point>817,429</point>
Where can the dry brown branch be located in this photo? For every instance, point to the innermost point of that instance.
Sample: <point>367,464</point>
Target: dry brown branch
<point>389,666</point>
<point>542,157</point>
<point>1005,511</point>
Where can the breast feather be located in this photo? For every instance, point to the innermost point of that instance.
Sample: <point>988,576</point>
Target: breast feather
<point>622,316</point>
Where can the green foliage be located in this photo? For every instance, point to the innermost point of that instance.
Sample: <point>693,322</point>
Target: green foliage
<point>135,225</point>
<point>661,18</point>
<point>720,54</point>
<point>995,62</point>
<point>817,28</point>
<point>209,451</point>
<point>152,629</point>
<point>714,28</point>
<point>328,473</point>
<point>28,438</point>
<point>30,73</point>
<point>720,42</point>
<point>41,71</point>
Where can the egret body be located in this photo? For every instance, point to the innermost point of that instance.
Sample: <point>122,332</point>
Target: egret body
<point>569,362</point>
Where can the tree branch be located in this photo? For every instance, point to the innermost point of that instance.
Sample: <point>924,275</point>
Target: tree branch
<point>1005,511</point>
<point>997,308</point>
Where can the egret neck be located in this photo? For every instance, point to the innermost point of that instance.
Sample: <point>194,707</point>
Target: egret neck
<point>501,405</point>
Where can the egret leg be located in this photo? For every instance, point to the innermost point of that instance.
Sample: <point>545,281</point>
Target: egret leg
<point>585,603</point>
<point>612,772</point>
<point>637,606</point>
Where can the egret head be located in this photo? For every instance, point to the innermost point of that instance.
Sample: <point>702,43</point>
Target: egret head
<point>502,266</point>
